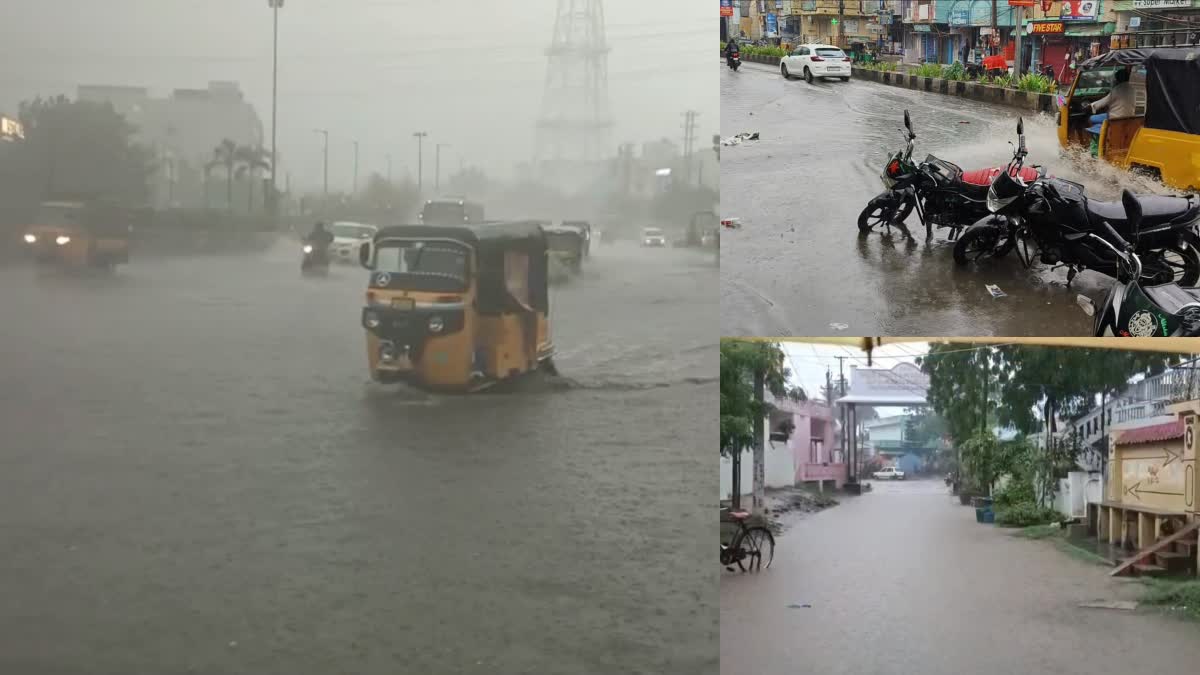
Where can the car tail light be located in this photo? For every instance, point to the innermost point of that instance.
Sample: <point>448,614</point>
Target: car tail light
<point>817,58</point>
<point>847,59</point>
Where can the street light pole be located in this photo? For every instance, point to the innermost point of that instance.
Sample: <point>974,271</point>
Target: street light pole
<point>420,136</point>
<point>437,181</point>
<point>355,188</point>
<point>274,5</point>
<point>389,159</point>
<point>325,132</point>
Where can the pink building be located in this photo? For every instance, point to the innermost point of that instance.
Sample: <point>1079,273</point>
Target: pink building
<point>814,456</point>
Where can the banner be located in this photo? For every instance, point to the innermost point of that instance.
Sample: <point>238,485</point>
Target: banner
<point>1079,10</point>
<point>960,17</point>
<point>1162,4</point>
<point>726,7</point>
<point>1046,28</point>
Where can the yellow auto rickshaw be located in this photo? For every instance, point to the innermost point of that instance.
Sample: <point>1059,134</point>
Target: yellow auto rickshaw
<point>80,234</point>
<point>457,308</point>
<point>566,245</point>
<point>1162,138</point>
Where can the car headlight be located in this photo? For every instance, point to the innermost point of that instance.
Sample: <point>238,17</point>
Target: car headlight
<point>308,248</point>
<point>30,239</point>
<point>387,351</point>
<point>62,239</point>
<point>436,324</point>
<point>371,320</point>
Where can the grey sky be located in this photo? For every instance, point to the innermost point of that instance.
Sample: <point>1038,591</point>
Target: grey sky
<point>809,361</point>
<point>468,72</point>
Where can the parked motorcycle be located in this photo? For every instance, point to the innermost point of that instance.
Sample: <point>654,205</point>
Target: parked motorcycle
<point>941,193</point>
<point>1132,310</point>
<point>1055,217</point>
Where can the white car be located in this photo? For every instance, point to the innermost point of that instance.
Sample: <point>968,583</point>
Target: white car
<point>815,60</point>
<point>347,239</point>
<point>889,473</point>
<point>653,236</point>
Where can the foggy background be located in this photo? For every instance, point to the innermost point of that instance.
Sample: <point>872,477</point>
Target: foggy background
<point>470,73</point>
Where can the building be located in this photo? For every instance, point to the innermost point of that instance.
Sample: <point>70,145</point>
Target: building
<point>1159,22</point>
<point>10,129</point>
<point>815,458</point>
<point>834,22</point>
<point>937,31</point>
<point>183,129</point>
<point>1063,33</point>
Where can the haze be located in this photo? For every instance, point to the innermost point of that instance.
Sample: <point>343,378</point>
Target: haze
<point>470,73</point>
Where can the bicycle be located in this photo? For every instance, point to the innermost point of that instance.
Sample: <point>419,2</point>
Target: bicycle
<point>752,548</point>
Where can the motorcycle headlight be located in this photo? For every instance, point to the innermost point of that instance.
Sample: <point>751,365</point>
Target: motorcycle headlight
<point>30,239</point>
<point>995,202</point>
<point>62,240</point>
<point>436,324</point>
<point>308,248</point>
<point>371,320</point>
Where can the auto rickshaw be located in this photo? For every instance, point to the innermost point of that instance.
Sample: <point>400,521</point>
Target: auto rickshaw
<point>566,245</point>
<point>1163,137</point>
<point>457,308</point>
<point>586,228</point>
<point>77,235</point>
<point>451,211</point>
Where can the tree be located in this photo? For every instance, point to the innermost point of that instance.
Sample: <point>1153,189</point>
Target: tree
<point>250,161</point>
<point>959,380</point>
<point>81,149</point>
<point>225,155</point>
<point>832,390</point>
<point>748,370</point>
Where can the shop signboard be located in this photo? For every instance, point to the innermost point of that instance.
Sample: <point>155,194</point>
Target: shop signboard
<point>1162,4</point>
<point>1047,28</point>
<point>1021,3</point>
<point>1079,10</point>
<point>921,28</point>
<point>960,17</point>
<point>726,7</point>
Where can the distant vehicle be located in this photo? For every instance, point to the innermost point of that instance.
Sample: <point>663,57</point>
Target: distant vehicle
<point>453,211</point>
<point>815,60</point>
<point>653,236</point>
<point>78,234</point>
<point>889,473</point>
<point>586,227</point>
<point>347,239</point>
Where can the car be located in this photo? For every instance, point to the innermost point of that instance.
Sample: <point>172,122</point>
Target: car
<point>815,60</point>
<point>347,239</point>
<point>653,236</point>
<point>889,473</point>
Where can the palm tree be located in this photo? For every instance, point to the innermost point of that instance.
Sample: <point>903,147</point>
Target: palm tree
<point>225,155</point>
<point>250,161</point>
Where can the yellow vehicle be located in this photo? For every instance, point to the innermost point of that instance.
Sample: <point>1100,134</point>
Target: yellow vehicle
<point>79,235</point>
<point>1162,138</point>
<point>567,245</point>
<point>457,308</point>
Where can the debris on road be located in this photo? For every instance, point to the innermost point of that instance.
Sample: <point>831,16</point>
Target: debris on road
<point>795,606</point>
<point>995,291</point>
<point>1110,604</point>
<point>732,223</point>
<point>739,138</point>
<point>839,326</point>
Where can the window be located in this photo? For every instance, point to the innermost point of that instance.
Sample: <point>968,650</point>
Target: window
<point>815,448</point>
<point>516,276</point>
<point>444,261</point>
<point>830,53</point>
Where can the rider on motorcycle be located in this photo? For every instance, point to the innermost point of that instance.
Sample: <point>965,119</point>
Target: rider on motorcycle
<point>731,50</point>
<point>320,239</point>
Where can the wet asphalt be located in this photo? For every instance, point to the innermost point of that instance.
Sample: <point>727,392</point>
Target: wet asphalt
<point>903,580</point>
<point>196,476</point>
<point>798,266</point>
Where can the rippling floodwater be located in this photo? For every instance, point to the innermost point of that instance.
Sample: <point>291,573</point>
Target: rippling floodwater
<point>197,476</point>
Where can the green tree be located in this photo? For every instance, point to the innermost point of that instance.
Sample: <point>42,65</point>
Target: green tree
<point>743,365</point>
<point>225,156</point>
<point>250,162</point>
<point>81,149</point>
<point>959,384</point>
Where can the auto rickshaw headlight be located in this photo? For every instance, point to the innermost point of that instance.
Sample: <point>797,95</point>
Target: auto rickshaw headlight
<point>30,239</point>
<point>62,239</point>
<point>436,324</point>
<point>308,248</point>
<point>387,352</point>
<point>371,320</point>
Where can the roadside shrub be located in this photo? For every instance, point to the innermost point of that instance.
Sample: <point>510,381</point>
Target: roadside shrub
<point>1003,80</point>
<point>1035,83</point>
<point>1024,514</point>
<point>927,70</point>
<point>956,72</point>
<point>754,50</point>
<point>1017,491</point>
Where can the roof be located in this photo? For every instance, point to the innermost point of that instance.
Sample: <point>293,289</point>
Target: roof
<point>1137,55</point>
<point>495,232</point>
<point>1152,433</point>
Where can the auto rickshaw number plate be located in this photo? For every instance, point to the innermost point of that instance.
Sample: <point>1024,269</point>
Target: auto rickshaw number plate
<point>402,303</point>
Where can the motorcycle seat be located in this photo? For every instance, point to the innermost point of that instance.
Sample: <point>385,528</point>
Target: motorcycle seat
<point>984,177</point>
<point>1172,297</point>
<point>1156,210</point>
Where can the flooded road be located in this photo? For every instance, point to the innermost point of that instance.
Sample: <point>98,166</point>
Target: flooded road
<point>798,266</point>
<point>903,580</point>
<point>197,476</point>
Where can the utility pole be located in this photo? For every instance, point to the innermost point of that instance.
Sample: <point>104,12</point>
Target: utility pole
<point>274,5</point>
<point>420,136</point>
<point>759,478</point>
<point>841,31</point>
<point>354,190</point>
<point>995,36</point>
<point>1018,19</point>
<point>437,161</point>
<point>325,133</point>
<point>689,142</point>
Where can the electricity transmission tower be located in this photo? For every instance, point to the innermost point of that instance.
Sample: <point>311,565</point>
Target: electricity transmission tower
<point>575,123</point>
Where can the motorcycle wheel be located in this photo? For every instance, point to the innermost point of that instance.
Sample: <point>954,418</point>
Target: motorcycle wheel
<point>1182,259</point>
<point>880,214</point>
<point>980,243</point>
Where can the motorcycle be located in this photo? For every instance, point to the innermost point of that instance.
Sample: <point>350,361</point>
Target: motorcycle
<point>941,193</point>
<point>1132,310</point>
<point>1055,217</point>
<point>315,259</point>
<point>734,60</point>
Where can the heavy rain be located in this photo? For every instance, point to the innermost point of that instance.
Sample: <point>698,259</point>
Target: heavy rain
<point>225,449</point>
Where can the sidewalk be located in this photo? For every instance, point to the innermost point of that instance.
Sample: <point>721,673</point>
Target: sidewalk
<point>903,580</point>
